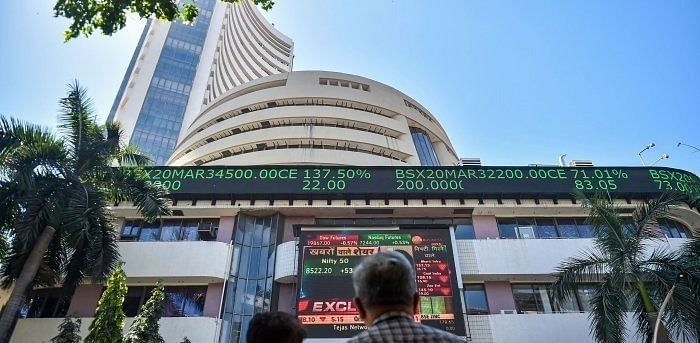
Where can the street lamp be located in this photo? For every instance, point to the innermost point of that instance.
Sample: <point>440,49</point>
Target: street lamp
<point>679,278</point>
<point>649,146</point>
<point>688,145</point>
<point>663,157</point>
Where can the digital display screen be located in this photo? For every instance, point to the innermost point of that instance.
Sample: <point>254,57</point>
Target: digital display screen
<point>326,261</point>
<point>456,182</point>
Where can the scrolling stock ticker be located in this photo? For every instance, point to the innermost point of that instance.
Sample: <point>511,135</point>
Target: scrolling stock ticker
<point>315,181</point>
<point>327,259</point>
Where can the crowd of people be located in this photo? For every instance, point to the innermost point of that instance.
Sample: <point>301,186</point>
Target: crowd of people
<point>386,299</point>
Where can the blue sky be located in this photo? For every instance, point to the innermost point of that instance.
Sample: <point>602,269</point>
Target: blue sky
<point>513,82</point>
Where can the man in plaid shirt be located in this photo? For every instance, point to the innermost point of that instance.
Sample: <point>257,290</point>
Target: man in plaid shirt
<point>386,297</point>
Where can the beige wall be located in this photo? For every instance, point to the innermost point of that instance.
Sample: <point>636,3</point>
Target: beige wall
<point>197,329</point>
<point>368,120</point>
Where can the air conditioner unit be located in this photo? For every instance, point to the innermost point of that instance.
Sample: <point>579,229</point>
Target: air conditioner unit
<point>207,230</point>
<point>509,312</point>
<point>581,163</point>
<point>471,161</point>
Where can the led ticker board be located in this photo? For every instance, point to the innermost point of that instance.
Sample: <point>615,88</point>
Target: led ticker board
<point>456,182</point>
<point>326,262</point>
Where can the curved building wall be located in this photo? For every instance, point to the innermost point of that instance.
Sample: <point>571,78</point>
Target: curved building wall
<point>248,48</point>
<point>312,117</point>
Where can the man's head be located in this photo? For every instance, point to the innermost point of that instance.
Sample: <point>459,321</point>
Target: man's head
<point>275,327</point>
<point>384,282</point>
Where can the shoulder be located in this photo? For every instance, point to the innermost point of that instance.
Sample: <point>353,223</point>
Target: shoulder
<point>437,335</point>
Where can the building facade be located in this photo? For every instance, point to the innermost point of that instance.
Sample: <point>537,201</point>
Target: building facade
<point>232,247</point>
<point>261,158</point>
<point>176,68</point>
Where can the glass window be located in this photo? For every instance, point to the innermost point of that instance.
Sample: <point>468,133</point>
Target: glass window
<point>585,293</point>
<point>475,298</point>
<point>585,230</point>
<point>525,228</point>
<point>506,227</point>
<point>464,231</point>
<point>189,230</point>
<point>424,147</point>
<point>532,298</point>
<point>150,232</point>
<point>132,301</point>
<point>185,301</point>
<point>546,229</point>
<point>567,227</point>
<point>170,230</point>
<point>131,230</point>
<point>45,303</point>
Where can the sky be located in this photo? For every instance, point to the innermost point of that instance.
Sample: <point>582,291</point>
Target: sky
<point>512,82</point>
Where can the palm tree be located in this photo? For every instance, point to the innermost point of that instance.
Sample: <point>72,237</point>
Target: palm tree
<point>632,274</point>
<point>55,194</point>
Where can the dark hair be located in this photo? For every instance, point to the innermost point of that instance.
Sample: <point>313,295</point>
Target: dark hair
<point>275,327</point>
<point>385,278</point>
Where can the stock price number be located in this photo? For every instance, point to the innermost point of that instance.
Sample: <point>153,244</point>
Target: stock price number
<point>317,270</point>
<point>588,185</point>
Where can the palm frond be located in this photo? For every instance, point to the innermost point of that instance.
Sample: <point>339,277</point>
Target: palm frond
<point>588,266</point>
<point>607,225</point>
<point>131,156</point>
<point>129,185</point>
<point>608,307</point>
<point>646,216</point>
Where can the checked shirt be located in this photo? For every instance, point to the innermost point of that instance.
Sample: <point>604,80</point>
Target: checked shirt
<point>399,327</point>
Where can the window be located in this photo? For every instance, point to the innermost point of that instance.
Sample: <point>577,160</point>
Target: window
<point>149,232</point>
<point>204,229</point>
<point>464,231</point>
<point>187,301</point>
<point>584,294</point>
<point>424,147</point>
<point>546,228</point>
<point>584,229</point>
<point>180,301</point>
<point>674,229</point>
<point>567,228</point>
<point>506,227</point>
<point>537,298</point>
<point>171,230</point>
<point>45,303</point>
<point>475,299</point>
<point>532,299</point>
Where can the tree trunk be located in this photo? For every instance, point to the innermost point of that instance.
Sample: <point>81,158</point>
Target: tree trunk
<point>663,336</point>
<point>24,282</point>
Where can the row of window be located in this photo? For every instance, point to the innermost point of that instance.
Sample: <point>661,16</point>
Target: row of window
<point>529,298</point>
<point>343,83</point>
<point>180,301</point>
<point>197,229</point>
<point>331,102</point>
<point>543,228</point>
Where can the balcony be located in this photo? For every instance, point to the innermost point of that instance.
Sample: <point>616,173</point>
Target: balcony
<point>550,327</point>
<point>179,261</point>
<point>197,329</point>
<point>500,259</point>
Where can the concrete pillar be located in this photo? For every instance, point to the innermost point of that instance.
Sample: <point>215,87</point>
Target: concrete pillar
<point>225,233</point>
<point>408,141</point>
<point>485,227</point>
<point>443,155</point>
<point>287,298</point>
<point>84,302</point>
<point>213,300</point>
<point>499,296</point>
<point>289,222</point>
